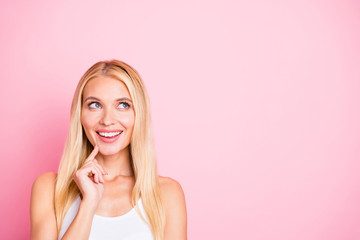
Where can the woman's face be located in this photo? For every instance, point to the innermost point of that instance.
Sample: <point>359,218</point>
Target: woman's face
<point>107,114</point>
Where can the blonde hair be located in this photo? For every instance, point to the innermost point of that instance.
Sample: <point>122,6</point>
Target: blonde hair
<point>143,159</point>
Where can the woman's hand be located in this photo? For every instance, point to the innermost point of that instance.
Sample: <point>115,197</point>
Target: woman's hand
<point>89,179</point>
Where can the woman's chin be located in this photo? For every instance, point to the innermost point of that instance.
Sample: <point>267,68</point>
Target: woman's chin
<point>109,151</point>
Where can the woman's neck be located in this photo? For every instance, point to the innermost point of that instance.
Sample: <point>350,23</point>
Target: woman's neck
<point>117,164</point>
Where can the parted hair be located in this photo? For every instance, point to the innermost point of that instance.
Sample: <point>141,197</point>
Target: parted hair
<point>143,160</point>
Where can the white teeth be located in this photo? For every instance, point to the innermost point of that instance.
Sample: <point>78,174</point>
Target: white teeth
<point>112,134</point>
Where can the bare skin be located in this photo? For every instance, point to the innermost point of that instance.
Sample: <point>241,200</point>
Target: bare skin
<point>42,213</point>
<point>108,191</point>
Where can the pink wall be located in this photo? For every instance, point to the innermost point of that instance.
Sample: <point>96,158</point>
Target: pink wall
<point>255,106</point>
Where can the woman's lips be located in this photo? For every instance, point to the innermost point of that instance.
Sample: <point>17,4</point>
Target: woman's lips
<point>109,139</point>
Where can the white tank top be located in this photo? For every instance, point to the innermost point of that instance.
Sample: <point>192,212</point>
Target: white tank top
<point>128,226</point>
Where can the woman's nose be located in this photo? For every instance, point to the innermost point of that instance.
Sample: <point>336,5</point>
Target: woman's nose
<point>107,117</point>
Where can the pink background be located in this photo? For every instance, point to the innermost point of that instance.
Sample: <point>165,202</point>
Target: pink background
<point>255,106</point>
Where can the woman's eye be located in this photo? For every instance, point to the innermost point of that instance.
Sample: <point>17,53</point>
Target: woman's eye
<point>126,105</point>
<point>94,105</point>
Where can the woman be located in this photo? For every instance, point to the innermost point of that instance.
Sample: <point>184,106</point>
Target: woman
<point>107,186</point>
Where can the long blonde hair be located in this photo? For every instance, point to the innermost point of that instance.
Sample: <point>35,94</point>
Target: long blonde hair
<point>143,159</point>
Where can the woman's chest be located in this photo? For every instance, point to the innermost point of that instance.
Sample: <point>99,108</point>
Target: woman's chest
<point>116,200</point>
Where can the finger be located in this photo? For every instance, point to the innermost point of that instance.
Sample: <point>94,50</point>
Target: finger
<point>93,163</point>
<point>100,175</point>
<point>90,161</point>
<point>102,170</point>
<point>96,175</point>
<point>93,173</point>
<point>93,153</point>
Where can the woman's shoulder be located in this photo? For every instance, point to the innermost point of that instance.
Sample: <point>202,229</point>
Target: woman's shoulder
<point>42,193</point>
<point>171,191</point>
<point>42,211</point>
<point>46,176</point>
<point>173,198</point>
<point>45,181</point>
<point>168,182</point>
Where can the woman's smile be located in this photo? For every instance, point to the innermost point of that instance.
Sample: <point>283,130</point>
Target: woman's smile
<point>109,136</point>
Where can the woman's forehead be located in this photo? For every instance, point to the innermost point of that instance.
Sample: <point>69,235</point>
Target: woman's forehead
<point>106,87</point>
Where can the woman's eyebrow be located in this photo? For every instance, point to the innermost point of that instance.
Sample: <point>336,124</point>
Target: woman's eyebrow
<point>119,99</point>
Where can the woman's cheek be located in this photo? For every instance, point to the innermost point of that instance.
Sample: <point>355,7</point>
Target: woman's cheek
<point>128,120</point>
<point>87,119</point>
<point>87,125</point>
